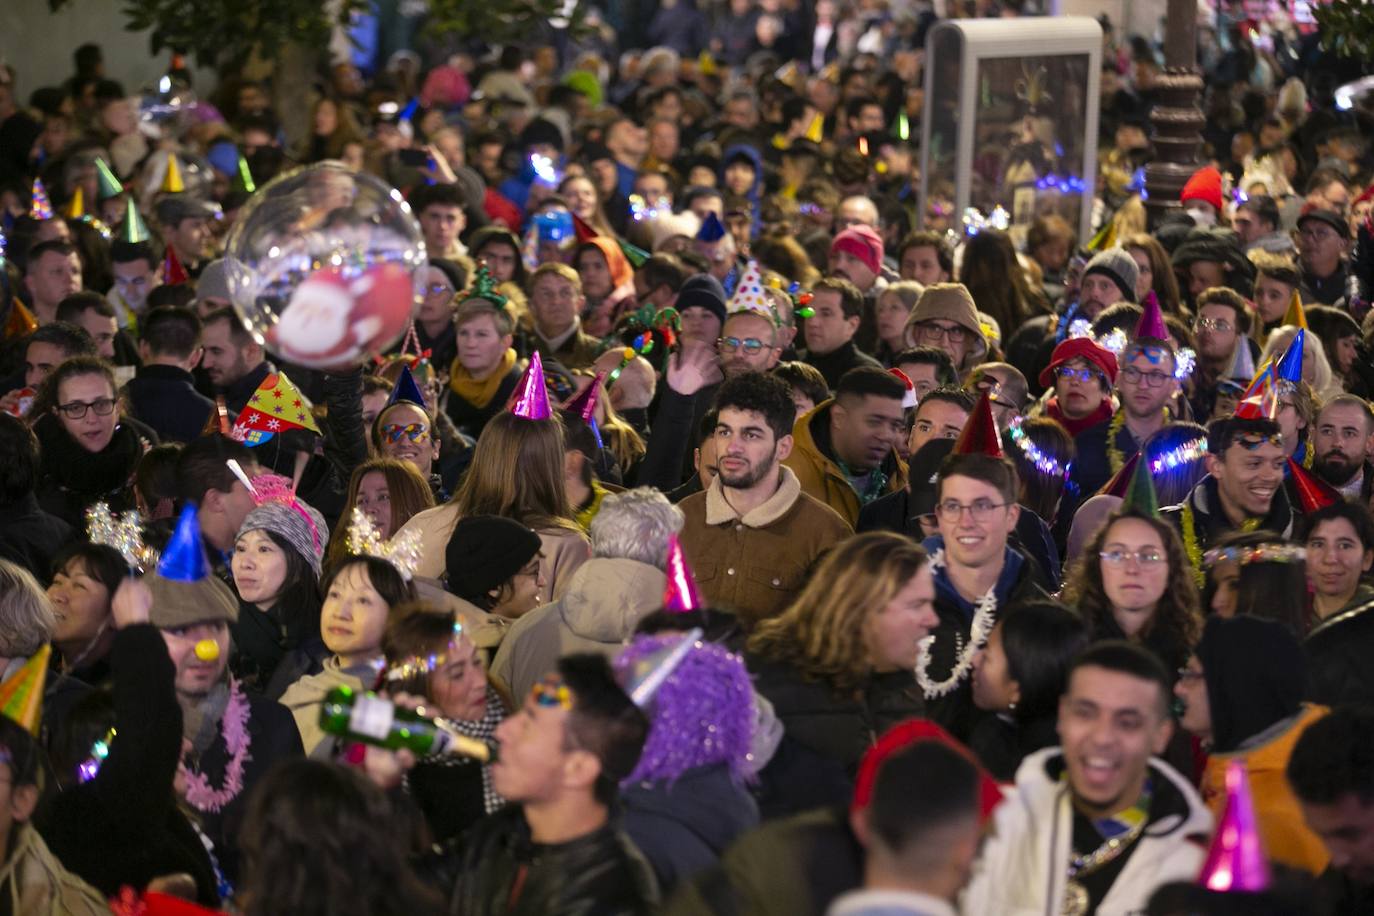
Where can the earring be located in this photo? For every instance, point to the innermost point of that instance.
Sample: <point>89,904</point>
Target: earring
<point>1011,707</point>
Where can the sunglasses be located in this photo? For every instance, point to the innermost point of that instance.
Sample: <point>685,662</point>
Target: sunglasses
<point>415,432</point>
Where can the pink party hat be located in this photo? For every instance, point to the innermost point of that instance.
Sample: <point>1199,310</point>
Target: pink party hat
<point>1151,324</point>
<point>680,593</point>
<point>584,404</point>
<point>532,397</point>
<point>1235,861</point>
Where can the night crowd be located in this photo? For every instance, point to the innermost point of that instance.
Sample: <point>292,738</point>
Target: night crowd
<point>786,541</point>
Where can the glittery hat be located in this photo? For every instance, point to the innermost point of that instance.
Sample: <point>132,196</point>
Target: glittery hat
<point>980,435</point>
<point>532,396</point>
<point>1151,325</point>
<point>40,208</point>
<point>680,591</point>
<point>1313,492</point>
<point>1235,861</point>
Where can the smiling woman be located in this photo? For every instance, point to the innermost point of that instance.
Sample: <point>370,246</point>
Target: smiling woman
<point>84,580</point>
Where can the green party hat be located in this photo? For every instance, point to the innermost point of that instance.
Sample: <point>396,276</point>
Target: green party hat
<point>1140,493</point>
<point>135,230</point>
<point>107,184</point>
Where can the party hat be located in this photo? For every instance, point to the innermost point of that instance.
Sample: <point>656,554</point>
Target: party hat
<point>680,591</point>
<point>909,398</point>
<point>749,295</point>
<point>633,253</point>
<point>706,63</point>
<point>40,208</point>
<point>243,181</point>
<point>1261,406</point>
<point>484,287</point>
<point>815,131</point>
<point>649,673</point>
<point>1151,324</point>
<point>173,273</point>
<point>585,233</point>
<point>712,229</point>
<point>183,559</point>
<point>406,390</point>
<point>584,404</point>
<point>171,179</point>
<point>980,433</point>
<point>1313,493</point>
<point>21,697</point>
<point>1295,314</point>
<point>1235,861</point>
<point>1140,492</point>
<point>135,230</point>
<point>1289,366</point>
<point>1120,484</point>
<point>76,207</point>
<point>107,185</point>
<point>276,406</point>
<point>532,396</point>
<point>1105,237</point>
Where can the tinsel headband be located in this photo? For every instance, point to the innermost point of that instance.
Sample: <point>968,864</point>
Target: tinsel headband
<point>402,551</point>
<point>122,532</point>
<point>1260,553</point>
<point>419,665</point>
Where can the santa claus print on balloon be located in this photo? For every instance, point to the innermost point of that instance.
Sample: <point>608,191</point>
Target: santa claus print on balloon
<point>325,266</point>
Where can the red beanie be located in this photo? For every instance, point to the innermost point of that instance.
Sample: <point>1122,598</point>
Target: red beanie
<point>905,734</point>
<point>863,243</point>
<point>1080,348</point>
<point>1205,185</point>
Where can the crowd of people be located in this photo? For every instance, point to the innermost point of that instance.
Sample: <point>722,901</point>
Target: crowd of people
<point>766,542</point>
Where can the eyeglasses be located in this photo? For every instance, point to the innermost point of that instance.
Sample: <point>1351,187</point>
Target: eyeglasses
<point>1071,374</point>
<point>438,289</point>
<point>752,345</point>
<point>415,432</point>
<point>931,331</point>
<point>951,510</point>
<point>103,407</point>
<point>1147,556</point>
<point>1213,324</point>
<point>1151,379</point>
<point>1189,675</point>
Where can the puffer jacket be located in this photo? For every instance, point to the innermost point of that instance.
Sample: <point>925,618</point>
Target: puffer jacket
<point>600,873</point>
<point>819,474</point>
<point>1024,863</point>
<point>563,550</point>
<point>604,600</point>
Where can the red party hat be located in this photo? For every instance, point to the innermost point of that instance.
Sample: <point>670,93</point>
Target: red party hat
<point>532,396</point>
<point>1151,324</point>
<point>680,592</point>
<point>908,399</point>
<point>1235,862</point>
<point>1120,484</point>
<point>585,233</point>
<point>1313,492</point>
<point>172,271</point>
<point>980,435</point>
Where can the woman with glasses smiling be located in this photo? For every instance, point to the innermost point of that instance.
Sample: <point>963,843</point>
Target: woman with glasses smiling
<point>89,450</point>
<point>1133,583</point>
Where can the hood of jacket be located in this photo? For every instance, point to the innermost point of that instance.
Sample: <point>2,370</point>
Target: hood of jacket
<point>607,597</point>
<point>704,799</point>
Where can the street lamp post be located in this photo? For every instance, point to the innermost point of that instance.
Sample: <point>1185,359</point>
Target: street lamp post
<point>1177,119</point>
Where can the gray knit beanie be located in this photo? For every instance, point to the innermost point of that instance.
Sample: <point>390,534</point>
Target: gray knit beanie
<point>1117,265</point>
<point>298,523</point>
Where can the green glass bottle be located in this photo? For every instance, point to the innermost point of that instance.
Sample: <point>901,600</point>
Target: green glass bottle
<point>357,715</point>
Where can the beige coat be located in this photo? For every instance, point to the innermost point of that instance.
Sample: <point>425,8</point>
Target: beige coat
<point>756,565</point>
<point>604,601</point>
<point>304,698</point>
<point>564,548</point>
<point>38,885</point>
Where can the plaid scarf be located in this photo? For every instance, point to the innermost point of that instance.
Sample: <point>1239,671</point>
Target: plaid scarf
<point>483,729</point>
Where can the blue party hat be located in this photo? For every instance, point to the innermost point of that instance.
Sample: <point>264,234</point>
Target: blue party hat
<point>1289,366</point>
<point>406,390</point>
<point>712,229</point>
<point>183,560</point>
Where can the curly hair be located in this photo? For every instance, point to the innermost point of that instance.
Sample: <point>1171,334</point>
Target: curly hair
<point>822,633</point>
<point>1178,615</point>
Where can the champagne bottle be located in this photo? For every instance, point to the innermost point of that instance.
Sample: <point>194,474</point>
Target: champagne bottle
<point>357,715</point>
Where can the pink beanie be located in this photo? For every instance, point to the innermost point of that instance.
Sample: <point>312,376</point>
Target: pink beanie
<point>863,243</point>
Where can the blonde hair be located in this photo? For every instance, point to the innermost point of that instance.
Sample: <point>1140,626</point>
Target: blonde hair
<point>1324,382</point>
<point>517,473</point>
<point>823,632</point>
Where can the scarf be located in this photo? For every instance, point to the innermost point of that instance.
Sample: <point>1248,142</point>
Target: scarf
<point>479,392</point>
<point>88,475</point>
<point>483,729</point>
<point>1102,414</point>
<point>200,717</point>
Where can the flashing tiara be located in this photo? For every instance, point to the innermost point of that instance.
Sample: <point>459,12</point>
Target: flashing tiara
<point>418,665</point>
<point>1187,453</point>
<point>122,532</point>
<point>402,551</point>
<point>87,769</point>
<point>1261,553</point>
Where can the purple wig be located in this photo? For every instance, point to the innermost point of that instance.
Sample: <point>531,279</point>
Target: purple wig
<point>702,715</point>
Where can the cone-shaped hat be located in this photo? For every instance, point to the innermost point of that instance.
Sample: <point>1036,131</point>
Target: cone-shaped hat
<point>712,229</point>
<point>107,185</point>
<point>1235,861</point>
<point>135,230</point>
<point>584,404</point>
<point>1313,492</point>
<point>76,207</point>
<point>1289,367</point>
<point>815,131</point>
<point>21,697</point>
<point>1151,324</point>
<point>40,208</point>
<point>649,672</point>
<point>585,233</point>
<point>183,560</point>
<point>406,389</point>
<point>172,271</point>
<point>171,179</point>
<point>980,435</point>
<point>1295,314</point>
<point>634,254</point>
<point>1120,483</point>
<point>1140,492</point>
<point>532,397</point>
<point>680,592</point>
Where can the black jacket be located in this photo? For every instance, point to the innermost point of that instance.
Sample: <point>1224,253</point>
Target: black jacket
<point>1338,652</point>
<point>31,537</point>
<point>497,869</point>
<point>165,398</point>
<point>837,362</point>
<point>124,827</point>
<point>237,394</point>
<point>72,478</point>
<point>1210,522</point>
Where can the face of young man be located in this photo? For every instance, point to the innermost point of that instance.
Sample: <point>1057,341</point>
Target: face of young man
<point>1346,828</point>
<point>1110,723</point>
<point>975,520</point>
<point>224,362</point>
<point>135,280</point>
<point>748,343</point>
<point>746,451</point>
<point>1343,442</point>
<point>1249,473</point>
<point>936,419</point>
<point>1146,381</point>
<point>535,761</point>
<point>865,429</point>
<point>441,224</point>
<point>1095,293</point>
<point>828,329</point>
<point>194,675</point>
<point>54,277</point>
<point>1216,331</point>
